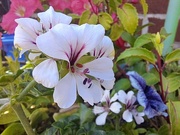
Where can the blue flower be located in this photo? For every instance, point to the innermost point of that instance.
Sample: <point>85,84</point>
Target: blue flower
<point>147,96</point>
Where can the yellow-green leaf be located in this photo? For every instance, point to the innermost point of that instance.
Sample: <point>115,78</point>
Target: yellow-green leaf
<point>105,20</point>
<point>144,6</point>
<point>88,17</point>
<point>173,82</point>
<point>143,39</point>
<point>14,129</point>
<point>174,111</point>
<point>173,56</point>
<point>129,17</point>
<point>139,53</point>
<point>116,31</point>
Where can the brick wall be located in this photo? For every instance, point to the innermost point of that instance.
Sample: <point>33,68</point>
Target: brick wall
<point>157,14</point>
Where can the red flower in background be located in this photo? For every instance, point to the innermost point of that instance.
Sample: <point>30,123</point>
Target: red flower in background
<point>75,6</point>
<point>19,9</point>
<point>121,43</point>
<point>60,4</point>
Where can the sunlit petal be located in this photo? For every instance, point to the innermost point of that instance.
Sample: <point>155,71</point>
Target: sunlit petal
<point>65,91</point>
<point>46,73</point>
<point>100,68</point>
<point>50,18</point>
<point>58,42</point>
<point>104,49</point>
<point>91,91</point>
<point>89,36</point>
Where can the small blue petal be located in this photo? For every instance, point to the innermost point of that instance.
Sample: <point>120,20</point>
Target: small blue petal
<point>136,80</point>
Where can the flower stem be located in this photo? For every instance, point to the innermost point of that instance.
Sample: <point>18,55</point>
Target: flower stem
<point>26,90</point>
<point>22,117</point>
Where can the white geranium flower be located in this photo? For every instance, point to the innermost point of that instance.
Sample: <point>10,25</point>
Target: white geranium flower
<point>29,29</point>
<point>129,99</point>
<point>70,43</point>
<point>110,105</point>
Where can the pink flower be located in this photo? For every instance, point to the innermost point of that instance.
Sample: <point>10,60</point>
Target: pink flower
<point>60,4</point>
<point>78,6</point>
<point>0,40</point>
<point>19,9</point>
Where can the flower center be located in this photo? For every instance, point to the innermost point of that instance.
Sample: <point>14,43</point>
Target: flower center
<point>20,11</point>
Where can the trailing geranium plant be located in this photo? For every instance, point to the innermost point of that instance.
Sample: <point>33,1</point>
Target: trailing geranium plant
<point>89,71</point>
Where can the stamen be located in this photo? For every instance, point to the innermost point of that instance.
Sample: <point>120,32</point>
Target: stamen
<point>86,71</point>
<point>79,65</point>
<point>72,69</point>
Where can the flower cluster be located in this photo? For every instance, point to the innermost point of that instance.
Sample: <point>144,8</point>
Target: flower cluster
<point>147,97</point>
<point>77,58</point>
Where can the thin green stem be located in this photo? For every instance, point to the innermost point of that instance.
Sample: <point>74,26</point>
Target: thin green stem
<point>23,119</point>
<point>26,90</point>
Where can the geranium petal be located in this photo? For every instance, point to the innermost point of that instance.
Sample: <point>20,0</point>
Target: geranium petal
<point>26,33</point>
<point>89,36</point>
<point>98,109</point>
<point>101,119</point>
<point>138,116</point>
<point>104,49</point>
<point>131,97</point>
<point>122,96</point>
<point>114,98</point>
<point>65,91</point>
<point>46,73</point>
<point>136,80</point>
<point>91,92</point>
<point>115,107</point>
<point>58,42</point>
<point>108,84</point>
<point>100,68</point>
<point>106,96</point>
<point>50,18</point>
<point>127,116</point>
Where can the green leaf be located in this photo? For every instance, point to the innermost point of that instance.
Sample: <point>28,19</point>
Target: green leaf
<point>138,52</point>
<point>173,82</point>
<point>151,79</point>
<point>122,84</point>
<point>173,56</point>
<point>85,114</point>
<point>129,17</point>
<point>128,38</point>
<point>14,129</point>
<point>143,39</point>
<point>115,133</point>
<point>174,111</point>
<point>97,1</point>
<point>7,114</point>
<point>116,31</point>
<point>88,17</point>
<point>8,78</point>
<point>164,130</point>
<point>105,20</point>
<point>50,131</point>
<point>37,116</point>
<point>144,6</point>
